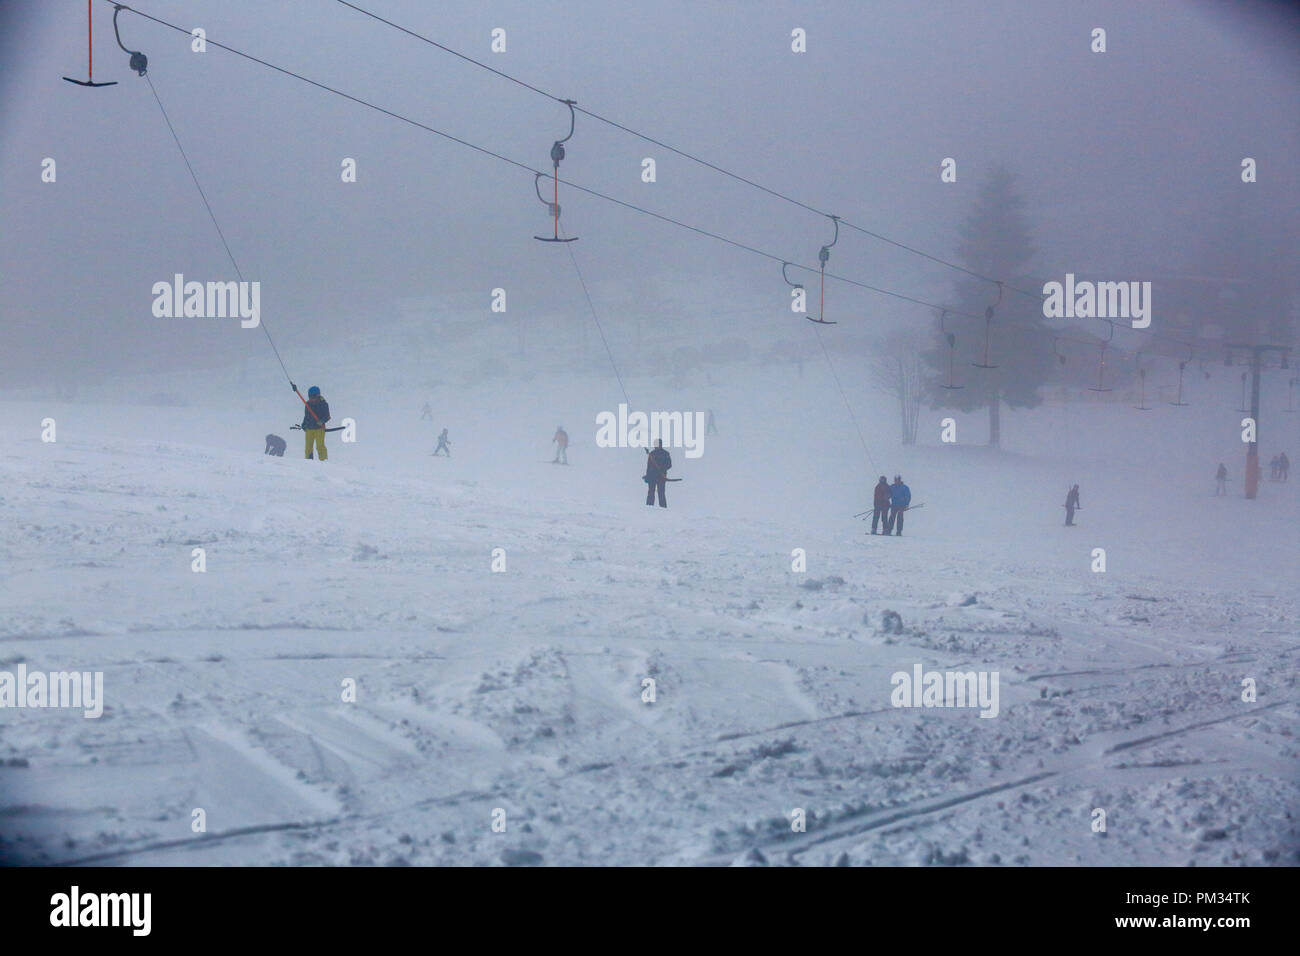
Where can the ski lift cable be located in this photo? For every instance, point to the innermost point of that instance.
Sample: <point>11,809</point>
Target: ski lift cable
<point>848,407</point>
<point>211,215</point>
<point>596,318</point>
<point>673,149</point>
<point>592,192</point>
<point>525,167</point>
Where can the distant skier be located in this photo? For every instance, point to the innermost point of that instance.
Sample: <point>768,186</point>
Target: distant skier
<point>561,441</point>
<point>900,498</point>
<point>443,444</point>
<point>710,427</point>
<point>1275,469</point>
<point>880,505</point>
<point>1221,480</point>
<point>656,473</point>
<point>1284,466</point>
<point>274,446</point>
<point>314,416</point>
<point>1071,506</point>
<point>426,413</point>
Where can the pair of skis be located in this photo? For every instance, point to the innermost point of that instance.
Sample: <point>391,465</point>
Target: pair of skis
<point>873,510</point>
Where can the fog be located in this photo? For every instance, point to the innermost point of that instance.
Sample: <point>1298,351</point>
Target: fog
<point>343,644</point>
<point>1128,160</point>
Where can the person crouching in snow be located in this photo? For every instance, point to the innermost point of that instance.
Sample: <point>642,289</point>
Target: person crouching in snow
<point>314,417</point>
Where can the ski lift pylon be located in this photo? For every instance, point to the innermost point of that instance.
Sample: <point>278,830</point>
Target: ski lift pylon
<point>553,204</point>
<point>1101,360</point>
<point>90,54</point>
<point>1182,367</point>
<point>1142,405</point>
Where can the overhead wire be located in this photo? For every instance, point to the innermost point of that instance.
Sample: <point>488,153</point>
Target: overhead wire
<point>212,215</point>
<point>674,149</point>
<point>592,192</point>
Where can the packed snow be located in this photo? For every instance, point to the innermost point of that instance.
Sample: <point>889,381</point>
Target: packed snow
<point>515,697</point>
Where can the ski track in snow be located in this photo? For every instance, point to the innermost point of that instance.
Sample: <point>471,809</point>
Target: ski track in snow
<point>522,690</point>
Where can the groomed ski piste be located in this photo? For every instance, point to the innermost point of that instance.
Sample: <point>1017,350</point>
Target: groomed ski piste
<point>481,691</point>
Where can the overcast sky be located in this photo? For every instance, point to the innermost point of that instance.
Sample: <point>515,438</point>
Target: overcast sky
<point>1123,157</point>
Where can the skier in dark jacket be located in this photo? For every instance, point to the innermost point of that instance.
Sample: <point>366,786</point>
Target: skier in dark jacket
<point>1071,505</point>
<point>314,416</point>
<point>880,505</point>
<point>900,499</point>
<point>1221,480</point>
<point>443,444</point>
<point>656,473</point>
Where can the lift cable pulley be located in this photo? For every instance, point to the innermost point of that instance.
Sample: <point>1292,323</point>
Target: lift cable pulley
<point>139,62</point>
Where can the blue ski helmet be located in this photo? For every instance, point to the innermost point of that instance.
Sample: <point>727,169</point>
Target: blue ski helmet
<point>313,391</point>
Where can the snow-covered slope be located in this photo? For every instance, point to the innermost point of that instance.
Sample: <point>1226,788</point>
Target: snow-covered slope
<point>522,690</point>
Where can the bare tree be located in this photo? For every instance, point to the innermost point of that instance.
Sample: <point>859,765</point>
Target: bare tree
<point>899,370</point>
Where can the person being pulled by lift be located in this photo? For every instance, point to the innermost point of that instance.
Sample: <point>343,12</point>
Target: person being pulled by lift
<point>656,473</point>
<point>314,416</point>
<point>561,441</point>
<point>880,506</point>
<point>443,444</point>
<point>1071,506</point>
<point>1221,480</point>
<point>900,498</point>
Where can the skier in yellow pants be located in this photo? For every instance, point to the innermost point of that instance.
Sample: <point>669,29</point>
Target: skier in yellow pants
<point>316,436</point>
<point>315,415</point>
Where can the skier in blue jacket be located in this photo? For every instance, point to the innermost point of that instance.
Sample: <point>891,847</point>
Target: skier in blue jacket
<point>900,497</point>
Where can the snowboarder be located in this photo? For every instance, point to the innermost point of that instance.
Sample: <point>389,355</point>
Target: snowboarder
<point>274,446</point>
<point>443,444</point>
<point>880,505</point>
<point>656,473</point>
<point>710,428</point>
<point>900,497</point>
<point>1221,480</point>
<point>561,441</point>
<point>1072,505</point>
<point>314,417</point>
<point>1284,465</point>
<point>426,413</point>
